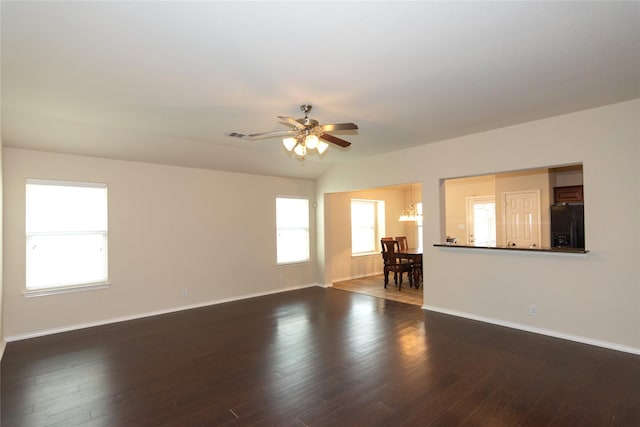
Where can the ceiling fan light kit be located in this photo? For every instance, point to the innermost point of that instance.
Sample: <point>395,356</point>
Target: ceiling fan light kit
<point>311,141</point>
<point>306,134</point>
<point>300,145</point>
<point>300,150</point>
<point>322,147</point>
<point>289,143</point>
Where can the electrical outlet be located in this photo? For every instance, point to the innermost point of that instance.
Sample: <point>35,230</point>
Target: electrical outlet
<point>184,293</point>
<point>533,310</point>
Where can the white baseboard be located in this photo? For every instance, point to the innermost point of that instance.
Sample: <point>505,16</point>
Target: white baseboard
<point>541,331</point>
<point>41,333</point>
<point>548,332</point>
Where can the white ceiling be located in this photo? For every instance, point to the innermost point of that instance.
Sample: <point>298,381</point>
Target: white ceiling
<point>163,81</point>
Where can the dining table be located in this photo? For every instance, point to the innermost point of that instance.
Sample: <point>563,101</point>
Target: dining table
<point>414,255</point>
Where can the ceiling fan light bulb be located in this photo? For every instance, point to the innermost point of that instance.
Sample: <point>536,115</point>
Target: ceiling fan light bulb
<point>289,143</point>
<point>311,141</point>
<point>300,150</point>
<point>322,147</point>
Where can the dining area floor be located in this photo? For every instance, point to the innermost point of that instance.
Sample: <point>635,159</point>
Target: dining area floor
<point>374,286</point>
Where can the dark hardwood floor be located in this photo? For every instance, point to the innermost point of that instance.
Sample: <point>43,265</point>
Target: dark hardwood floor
<point>319,357</point>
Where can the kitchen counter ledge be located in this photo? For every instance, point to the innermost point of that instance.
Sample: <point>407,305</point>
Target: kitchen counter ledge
<point>515,248</point>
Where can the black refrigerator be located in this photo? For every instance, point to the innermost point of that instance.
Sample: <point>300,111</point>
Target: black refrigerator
<point>567,226</point>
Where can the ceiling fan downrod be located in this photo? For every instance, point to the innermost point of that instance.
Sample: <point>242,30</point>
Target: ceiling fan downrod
<point>307,122</point>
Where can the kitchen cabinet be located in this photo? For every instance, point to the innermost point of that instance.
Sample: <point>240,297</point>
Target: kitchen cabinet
<point>570,194</point>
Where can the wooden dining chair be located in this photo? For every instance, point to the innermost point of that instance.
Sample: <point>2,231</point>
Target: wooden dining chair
<point>402,242</point>
<point>385,258</point>
<point>395,264</point>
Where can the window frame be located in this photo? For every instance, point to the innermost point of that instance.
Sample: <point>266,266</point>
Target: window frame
<point>33,231</point>
<point>378,225</point>
<point>419,225</point>
<point>306,229</point>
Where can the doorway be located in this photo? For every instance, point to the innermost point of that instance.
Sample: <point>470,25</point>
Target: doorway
<point>481,221</point>
<point>522,218</point>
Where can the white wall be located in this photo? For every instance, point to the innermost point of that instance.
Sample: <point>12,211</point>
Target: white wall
<point>592,298</point>
<point>170,228</point>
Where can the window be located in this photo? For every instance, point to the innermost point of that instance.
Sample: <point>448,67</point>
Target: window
<point>66,230</point>
<point>292,223</point>
<point>367,225</point>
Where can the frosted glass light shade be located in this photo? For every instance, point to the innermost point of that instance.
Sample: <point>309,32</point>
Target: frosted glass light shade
<point>322,146</point>
<point>311,141</point>
<point>300,150</point>
<point>289,143</point>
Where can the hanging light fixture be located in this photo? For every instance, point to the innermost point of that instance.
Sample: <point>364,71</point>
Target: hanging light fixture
<point>300,150</point>
<point>305,134</point>
<point>411,213</point>
<point>304,142</point>
<point>311,141</point>
<point>289,143</point>
<point>322,147</point>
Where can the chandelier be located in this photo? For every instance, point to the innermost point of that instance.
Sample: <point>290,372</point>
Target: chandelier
<point>410,214</point>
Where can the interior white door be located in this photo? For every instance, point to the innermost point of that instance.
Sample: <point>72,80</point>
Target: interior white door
<point>481,221</point>
<point>522,218</point>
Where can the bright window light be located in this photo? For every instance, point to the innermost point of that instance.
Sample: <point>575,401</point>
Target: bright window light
<point>367,225</point>
<point>292,223</point>
<point>66,232</point>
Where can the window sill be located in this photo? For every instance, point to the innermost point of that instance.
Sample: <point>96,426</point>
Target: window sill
<point>365,254</point>
<point>284,264</point>
<point>30,293</point>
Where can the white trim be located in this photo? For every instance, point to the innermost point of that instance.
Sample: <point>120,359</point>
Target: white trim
<point>45,332</point>
<point>59,183</point>
<point>569,337</point>
<point>541,331</point>
<point>30,293</point>
<point>3,345</point>
<point>284,264</point>
<point>361,254</point>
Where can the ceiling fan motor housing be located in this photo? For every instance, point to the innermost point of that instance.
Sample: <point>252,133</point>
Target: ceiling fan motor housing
<point>307,122</point>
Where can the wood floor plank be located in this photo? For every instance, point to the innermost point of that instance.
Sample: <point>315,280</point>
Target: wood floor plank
<point>313,357</point>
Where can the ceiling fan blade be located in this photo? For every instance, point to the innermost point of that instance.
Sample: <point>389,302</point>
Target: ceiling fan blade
<point>335,140</point>
<point>273,134</point>
<point>292,122</point>
<point>339,126</point>
<point>236,134</point>
<point>262,135</point>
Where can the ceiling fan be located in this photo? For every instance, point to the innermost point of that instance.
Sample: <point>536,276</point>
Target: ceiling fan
<point>306,134</point>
